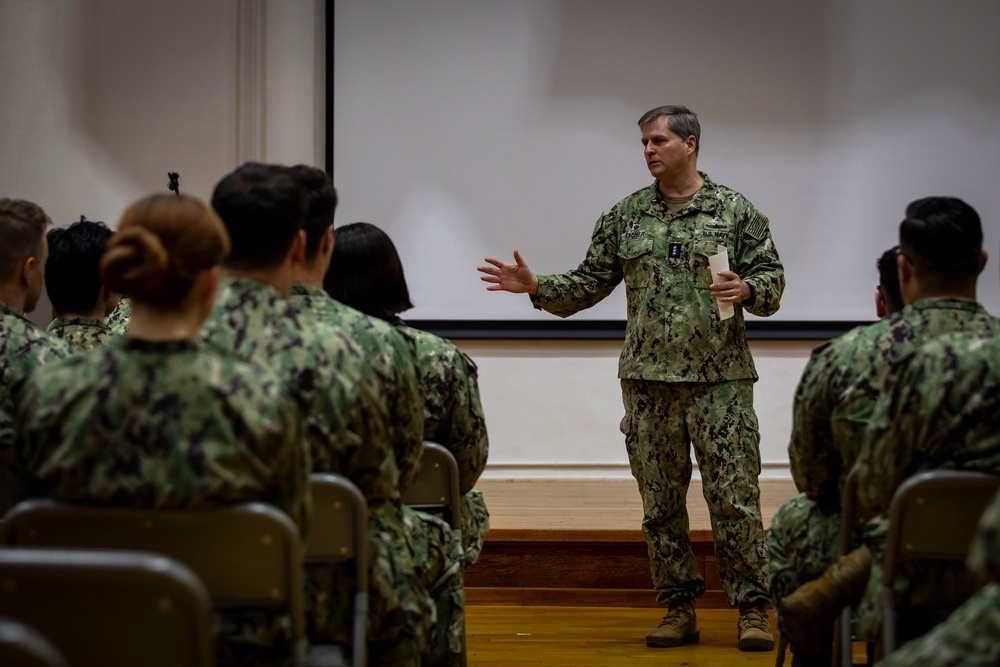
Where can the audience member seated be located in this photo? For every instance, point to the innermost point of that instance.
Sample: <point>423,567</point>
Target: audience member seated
<point>366,274</point>
<point>939,262</point>
<point>23,346</point>
<point>436,553</point>
<point>159,419</point>
<point>80,301</point>
<point>347,427</point>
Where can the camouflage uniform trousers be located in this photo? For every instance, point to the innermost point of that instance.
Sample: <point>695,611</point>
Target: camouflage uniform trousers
<point>662,420</point>
<point>927,592</point>
<point>401,616</point>
<point>967,637</point>
<point>475,523</point>
<point>437,561</point>
<point>803,541</point>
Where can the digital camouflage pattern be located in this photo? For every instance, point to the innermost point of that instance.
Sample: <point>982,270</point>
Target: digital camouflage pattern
<point>984,554</point>
<point>435,553</point>
<point>167,425</point>
<point>662,420</point>
<point>347,433</point>
<point>119,318</point>
<point>803,541</point>
<point>943,411</point>
<point>673,332</point>
<point>82,334</point>
<point>391,357</point>
<point>845,377</point>
<point>23,348</point>
<point>453,418</point>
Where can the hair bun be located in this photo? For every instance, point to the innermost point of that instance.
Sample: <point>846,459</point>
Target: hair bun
<point>137,265</point>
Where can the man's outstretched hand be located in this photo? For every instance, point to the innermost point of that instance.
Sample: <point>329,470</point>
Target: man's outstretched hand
<point>516,278</point>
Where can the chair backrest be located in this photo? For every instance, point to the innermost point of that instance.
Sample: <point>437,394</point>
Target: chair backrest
<point>435,488</point>
<point>107,608</point>
<point>248,556</point>
<point>20,646</point>
<point>933,516</point>
<point>338,534</point>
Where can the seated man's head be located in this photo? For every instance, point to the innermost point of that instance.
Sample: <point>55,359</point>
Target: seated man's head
<point>72,271</point>
<point>940,249</point>
<point>263,210</point>
<point>888,300</point>
<point>22,253</point>
<point>321,202</point>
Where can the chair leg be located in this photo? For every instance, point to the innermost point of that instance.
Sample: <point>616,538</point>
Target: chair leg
<point>779,658</point>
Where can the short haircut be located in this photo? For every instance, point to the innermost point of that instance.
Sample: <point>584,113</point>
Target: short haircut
<point>888,279</point>
<point>163,243</point>
<point>263,210</point>
<point>321,202</point>
<point>943,238</point>
<point>22,227</point>
<point>680,120</point>
<point>72,271</point>
<point>365,272</point>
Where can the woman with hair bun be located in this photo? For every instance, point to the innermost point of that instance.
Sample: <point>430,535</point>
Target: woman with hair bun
<point>159,419</point>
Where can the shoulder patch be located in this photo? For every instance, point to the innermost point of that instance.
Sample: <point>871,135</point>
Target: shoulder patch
<point>756,226</point>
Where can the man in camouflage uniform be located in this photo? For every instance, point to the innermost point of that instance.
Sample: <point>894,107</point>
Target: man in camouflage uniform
<point>941,258</point>
<point>969,636</point>
<point>346,423</point>
<point>23,346</point>
<point>80,301</point>
<point>687,374</point>
<point>436,554</point>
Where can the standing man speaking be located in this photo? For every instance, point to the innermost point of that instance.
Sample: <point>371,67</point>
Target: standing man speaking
<point>686,370</point>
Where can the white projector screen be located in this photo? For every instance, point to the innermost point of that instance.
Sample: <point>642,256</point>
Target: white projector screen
<point>468,129</point>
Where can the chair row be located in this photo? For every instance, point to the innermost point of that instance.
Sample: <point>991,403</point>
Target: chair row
<point>123,607</point>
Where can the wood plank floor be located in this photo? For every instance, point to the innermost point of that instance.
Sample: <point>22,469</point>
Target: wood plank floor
<point>596,637</point>
<point>595,504</point>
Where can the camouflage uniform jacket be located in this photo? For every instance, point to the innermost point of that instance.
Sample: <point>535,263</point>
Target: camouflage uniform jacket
<point>347,429</point>
<point>391,358</point>
<point>163,425</point>
<point>942,412</point>
<point>81,333</point>
<point>984,555</point>
<point>453,414</point>
<point>845,377</point>
<point>673,332</point>
<point>118,320</point>
<point>23,348</point>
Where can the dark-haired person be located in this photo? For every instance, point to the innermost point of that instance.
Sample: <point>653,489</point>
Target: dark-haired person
<point>159,419</point>
<point>365,274</point>
<point>80,301</point>
<point>264,210</point>
<point>23,346</point>
<point>888,299</point>
<point>686,370</point>
<point>939,261</point>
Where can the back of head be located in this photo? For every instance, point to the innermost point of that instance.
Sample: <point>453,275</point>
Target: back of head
<point>72,271</point>
<point>680,120</point>
<point>163,243</point>
<point>22,227</point>
<point>943,238</point>
<point>263,210</point>
<point>365,272</point>
<point>888,280</point>
<point>321,202</point>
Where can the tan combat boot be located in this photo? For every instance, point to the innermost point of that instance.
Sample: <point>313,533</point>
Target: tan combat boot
<point>808,614</point>
<point>679,626</point>
<point>753,629</point>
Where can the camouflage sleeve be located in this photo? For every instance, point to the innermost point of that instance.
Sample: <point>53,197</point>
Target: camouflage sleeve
<point>407,408</point>
<point>757,263</point>
<point>463,426</point>
<point>595,278</point>
<point>815,463</point>
<point>292,467</point>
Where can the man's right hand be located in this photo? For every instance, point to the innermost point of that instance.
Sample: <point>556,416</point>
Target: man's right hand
<point>516,278</point>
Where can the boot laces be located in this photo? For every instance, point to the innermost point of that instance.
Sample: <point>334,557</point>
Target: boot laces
<point>677,617</point>
<point>753,619</point>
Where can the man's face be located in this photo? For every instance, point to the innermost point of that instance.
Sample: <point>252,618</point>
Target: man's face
<point>666,153</point>
<point>36,279</point>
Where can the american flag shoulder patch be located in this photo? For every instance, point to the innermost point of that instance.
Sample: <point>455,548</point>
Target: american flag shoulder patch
<point>756,226</point>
